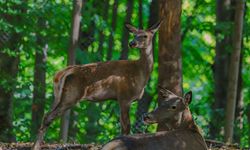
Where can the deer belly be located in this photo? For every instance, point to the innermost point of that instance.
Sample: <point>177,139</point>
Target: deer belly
<point>97,93</point>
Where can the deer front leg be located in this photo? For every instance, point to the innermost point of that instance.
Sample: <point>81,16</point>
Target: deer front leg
<point>124,118</point>
<point>48,118</point>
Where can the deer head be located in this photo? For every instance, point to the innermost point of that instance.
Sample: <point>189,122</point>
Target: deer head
<point>171,108</point>
<point>143,38</point>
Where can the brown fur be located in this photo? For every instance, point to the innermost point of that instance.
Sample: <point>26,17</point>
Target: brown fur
<point>122,80</point>
<point>182,134</point>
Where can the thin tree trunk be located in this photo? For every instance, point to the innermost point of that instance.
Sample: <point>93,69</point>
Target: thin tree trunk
<point>144,103</point>
<point>223,18</point>
<point>39,82</point>
<point>189,20</point>
<point>125,37</point>
<point>239,100</point>
<point>248,120</point>
<point>74,37</point>
<point>113,27</point>
<point>142,108</point>
<point>234,70</point>
<point>170,67</point>
<point>101,33</point>
<point>140,14</point>
<point>239,104</point>
<point>9,69</point>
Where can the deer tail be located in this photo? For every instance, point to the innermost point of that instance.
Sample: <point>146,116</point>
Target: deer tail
<point>59,82</point>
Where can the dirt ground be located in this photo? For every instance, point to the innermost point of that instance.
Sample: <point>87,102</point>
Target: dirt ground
<point>212,145</point>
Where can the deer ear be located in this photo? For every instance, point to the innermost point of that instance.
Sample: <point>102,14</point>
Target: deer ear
<point>188,97</point>
<point>164,93</point>
<point>131,28</point>
<point>154,28</point>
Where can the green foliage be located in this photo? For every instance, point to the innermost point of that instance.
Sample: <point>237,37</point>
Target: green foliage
<point>99,122</point>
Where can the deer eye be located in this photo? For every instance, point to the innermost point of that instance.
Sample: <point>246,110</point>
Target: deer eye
<point>173,107</point>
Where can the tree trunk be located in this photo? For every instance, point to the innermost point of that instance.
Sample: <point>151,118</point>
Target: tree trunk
<point>142,108</point>
<point>74,37</point>
<point>101,33</point>
<point>239,100</point>
<point>170,67</point>
<point>248,119</point>
<point>140,14</point>
<point>223,20</point>
<point>113,27</point>
<point>239,104</point>
<point>9,68</point>
<point>144,103</point>
<point>125,37</point>
<point>234,70</point>
<point>39,92</point>
<point>188,23</point>
<point>8,74</point>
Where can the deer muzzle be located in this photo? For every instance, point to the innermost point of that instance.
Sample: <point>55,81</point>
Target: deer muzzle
<point>132,44</point>
<point>148,118</point>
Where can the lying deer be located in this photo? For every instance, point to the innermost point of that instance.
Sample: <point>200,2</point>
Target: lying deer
<point>183,133</point>
<point>122,80</point>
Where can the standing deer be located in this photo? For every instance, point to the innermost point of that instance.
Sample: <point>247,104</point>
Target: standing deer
<point>122,80</point>
<point>182,134</point>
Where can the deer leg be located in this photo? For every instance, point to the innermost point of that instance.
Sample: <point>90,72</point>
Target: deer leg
<point>124,118</point>
<point>47,120</point>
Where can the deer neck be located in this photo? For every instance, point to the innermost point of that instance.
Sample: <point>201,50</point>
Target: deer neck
<point>184,120</point>
<point>146,58</point>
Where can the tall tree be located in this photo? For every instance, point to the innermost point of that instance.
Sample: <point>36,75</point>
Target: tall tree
<point>248,119</point>
<point>39,79</point>
<point>223,42</point>
<point>9,61</point>
<point>144,103</point>
<point>8,73</point>
<point>101,33</point>
<point>170,65</point>
<point>125,37</point>
<point>74,37</point>
<point>140,14</point>
<point>113,27</point>
<point>239,104</point>
<point>234,70</point>
<point>239,100</point>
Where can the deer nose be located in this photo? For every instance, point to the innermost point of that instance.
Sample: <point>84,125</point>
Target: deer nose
<point>132,44</point>
<point>147,118</point>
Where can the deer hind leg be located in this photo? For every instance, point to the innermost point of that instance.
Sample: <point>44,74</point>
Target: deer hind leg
<point>124,118</point>
<point>69,98</point>
<point>47,120</point>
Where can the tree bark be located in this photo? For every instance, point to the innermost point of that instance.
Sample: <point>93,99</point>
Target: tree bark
<point>74,37</point>
<point>140,14</point>
<point>170,65</point>
<point>113,27</point>
<point>9,68</point>
<point>125,37</point>
<point>248,120</point>
<point>39,92</point>
<point>8,73</point>
<point>223,20</point>
<point>188,23</point>
<point>239,100</point>
<point>144,103</point>
<point>234,70</point>
<point>239,104</point>
<point>101,33</point>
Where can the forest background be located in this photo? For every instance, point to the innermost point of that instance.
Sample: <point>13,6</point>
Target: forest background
<point>34,43</point>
